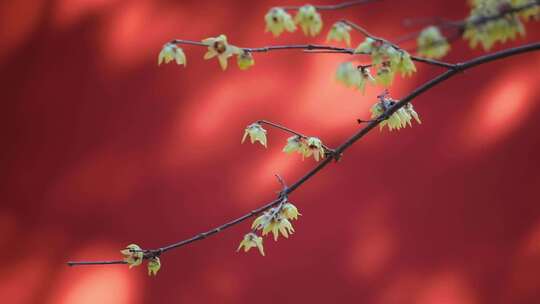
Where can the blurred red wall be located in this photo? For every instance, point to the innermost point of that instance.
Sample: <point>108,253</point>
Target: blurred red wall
<point>101,148</point>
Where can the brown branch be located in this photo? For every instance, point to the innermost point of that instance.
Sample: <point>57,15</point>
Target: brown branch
<point>315,47</point>
<point>344,146</point>
<point>278,126</point>
<point>331,6</point>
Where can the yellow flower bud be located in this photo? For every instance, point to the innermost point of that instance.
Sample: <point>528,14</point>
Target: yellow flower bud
<point>154,264</point>
<point>245,60</point>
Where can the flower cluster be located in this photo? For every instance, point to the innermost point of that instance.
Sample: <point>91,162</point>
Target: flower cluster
<point>432,44</point>
<point>170,52</point>
<point>487,33</point>
<point>307,147</point>
<point>276,220</point>
<point>340,32</point>
<point>352,76</point>
<point>387,58</point>
<point>399,119</point>
<point>217,47</point>
<point>256,133</point>
<point>278,20</point>
<point>134,256</point>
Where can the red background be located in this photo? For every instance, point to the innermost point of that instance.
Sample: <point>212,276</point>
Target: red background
<point>101,148</point>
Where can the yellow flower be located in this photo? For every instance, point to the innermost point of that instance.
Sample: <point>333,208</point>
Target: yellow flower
<point>365,77</point>
<point>366,47</point>
<point>393,55</point>
<point>409,109</point>
<point>385,75</point>
<point>432,44</point>
<point>218,46</point>
<point>154,264</point>
<point>261,221</point>
<point>245,60</point>
<point>278,20</point>
<point>349,75</point>
<point>309,20</point>
<point>256,133</point>
<point>404,65</point>
<point>313,147</point>
<point>133,255</point>
<point>376,48</point>
<point>251,240</point>
<point>289,211</point>
<point>275,222</point>
<point>278,225</point>
<point>340,32</point>
<point>399,119</point>
<point>294,144</point>
<point>170,52</point>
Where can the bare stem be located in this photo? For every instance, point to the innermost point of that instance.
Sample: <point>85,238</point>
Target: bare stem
<point>344,146</point>
<point>314,47</point>
<point>96,263</point>
<point>278,126</point>
<point>331,7</point>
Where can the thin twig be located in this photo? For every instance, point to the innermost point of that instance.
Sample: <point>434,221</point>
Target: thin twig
<point>332,6</point>
<point>344,146</point>
<point>96,263</point>
<point>283,128</point>
<point>410,22</point>
<point>314,47</point>
<point>278,126</point>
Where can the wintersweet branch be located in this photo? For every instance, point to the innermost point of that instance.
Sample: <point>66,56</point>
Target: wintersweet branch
<point>331,7</point>
<point>280,127</point>
<point>313,47</point>
<point>457,68</point>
